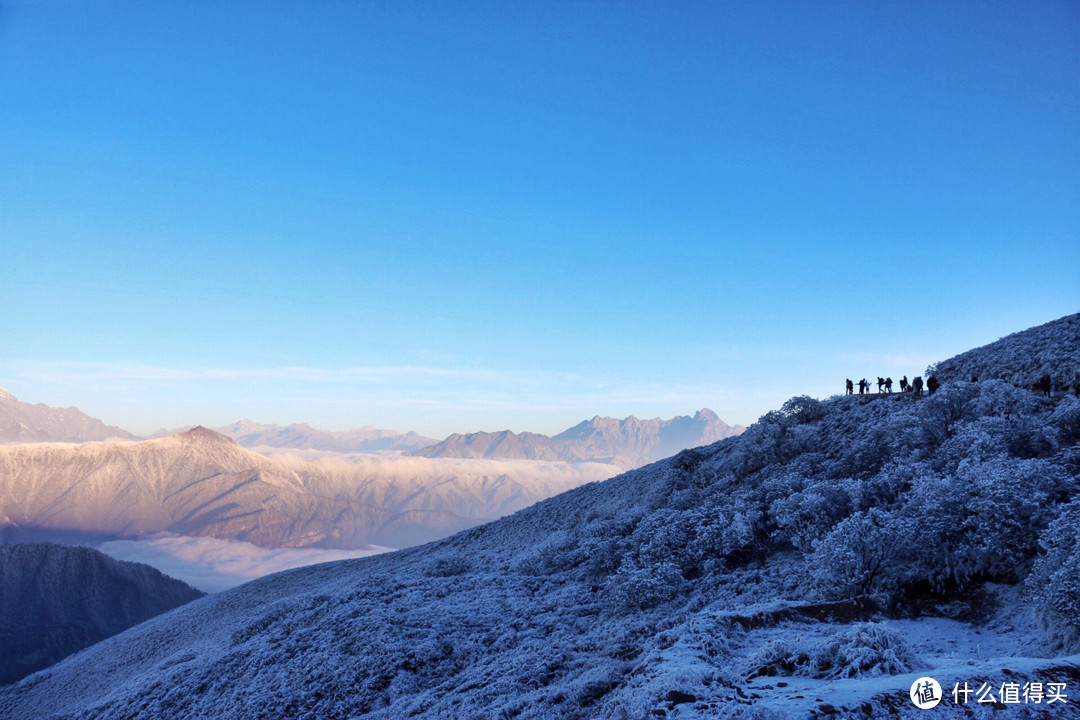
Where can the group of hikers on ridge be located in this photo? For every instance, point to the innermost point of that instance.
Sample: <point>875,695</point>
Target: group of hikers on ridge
<point>884,386</point>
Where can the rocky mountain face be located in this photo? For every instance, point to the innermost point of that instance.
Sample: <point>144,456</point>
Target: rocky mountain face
<point>644,441</point>
<point>201,483</point>
<point>22,422</point>
<point>813,567</point>
<point>367,439</point>
<point>56,600</point>
<point>629,442</point>
<point>503,444</point>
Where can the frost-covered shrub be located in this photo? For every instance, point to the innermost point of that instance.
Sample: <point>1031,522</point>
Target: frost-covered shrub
<point>780,656</point>
<point>1066,420</point>
<point>802,518</point>
<point>664,535</point>
<point>978,440</point>
<point>865,650</point>
<point>745,531</point>
<point>1002,399</point>
<point>851,560</point>
<point>634,587</point>
<point>1055,580</point>
<point>946,409</point>
<point>558,553</point>
<point>984,521</point>
<point>803,409</point>
<point>448,566</point>
<point>759,446</point>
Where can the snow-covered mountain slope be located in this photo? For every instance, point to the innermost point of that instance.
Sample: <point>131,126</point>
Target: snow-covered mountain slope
<point>1023,358</point>
<point>367,439</point>
<point>813,567</point>
<point>201,483</point>
<point>629,442</point>
<point>22,422</point>
<point>56,600</point>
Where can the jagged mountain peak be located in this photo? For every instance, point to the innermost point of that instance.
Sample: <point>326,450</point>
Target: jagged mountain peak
<point>629,442</point>
<point>23,422</point>
<point>200,434</point>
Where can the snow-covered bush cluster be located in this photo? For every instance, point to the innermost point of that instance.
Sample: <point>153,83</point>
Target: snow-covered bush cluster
<point>657,593</point>
<point>865,650</point>
<point>1055,579</point>
<point>1022,358</point>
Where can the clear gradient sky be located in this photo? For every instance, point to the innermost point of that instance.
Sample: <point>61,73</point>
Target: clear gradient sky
<point>447,216</point>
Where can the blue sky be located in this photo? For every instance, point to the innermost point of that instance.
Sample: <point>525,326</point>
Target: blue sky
<point>463,216</point>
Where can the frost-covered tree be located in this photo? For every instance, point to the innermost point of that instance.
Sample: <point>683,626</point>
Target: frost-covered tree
<point>852,559</point>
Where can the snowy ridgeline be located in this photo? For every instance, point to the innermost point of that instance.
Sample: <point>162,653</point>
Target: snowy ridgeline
<point>815,566</point>
<point>55,600</point>
<point>1023,358</point>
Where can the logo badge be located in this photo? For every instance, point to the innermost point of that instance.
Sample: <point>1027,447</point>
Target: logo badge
<point>925,693</point>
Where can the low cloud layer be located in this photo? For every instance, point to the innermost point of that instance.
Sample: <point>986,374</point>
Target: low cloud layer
<point>213,565</point>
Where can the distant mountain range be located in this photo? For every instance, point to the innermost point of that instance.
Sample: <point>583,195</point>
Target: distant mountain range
<point>302,436</point>
<point>202,483</point>
<point>298,486</point>
<point>56,600</point>
<point>26,423</point>
<point>629,442</point>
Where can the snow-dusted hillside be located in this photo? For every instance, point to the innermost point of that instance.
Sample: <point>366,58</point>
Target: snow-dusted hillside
<point>56,600</point>
<point>813,567</point>
<point>22,422</point>
<point>1023,358</point>
<point>203,483</point>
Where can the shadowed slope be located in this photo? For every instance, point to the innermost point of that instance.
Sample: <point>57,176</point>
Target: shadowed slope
<point>56,600</point>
